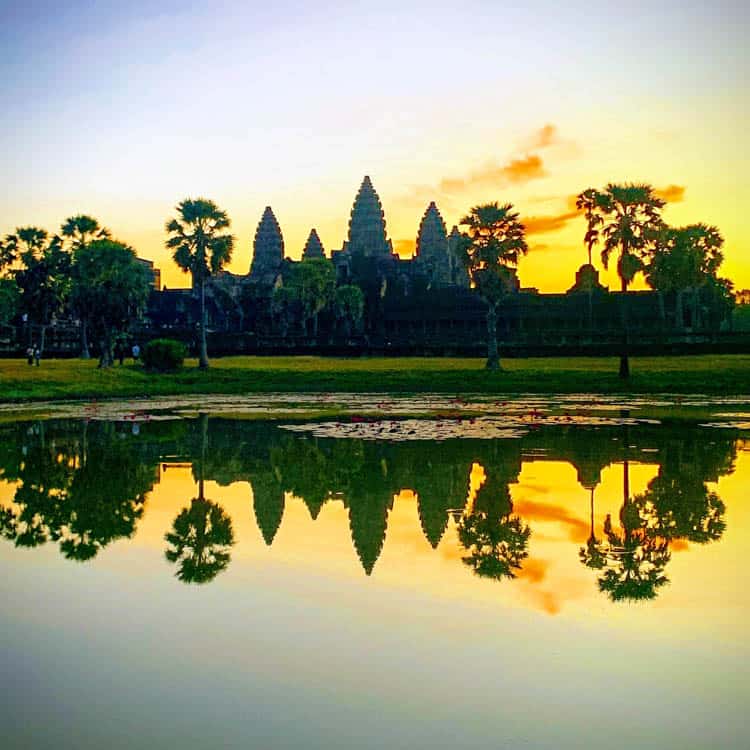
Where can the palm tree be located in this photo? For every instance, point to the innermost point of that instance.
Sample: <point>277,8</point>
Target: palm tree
<point>43,277</point>
<point>199,246</point>
<point>631,222</point>
<point>80,229</point>
<point>490,251</point>
<point>685,258</point>
<point>588,202</point>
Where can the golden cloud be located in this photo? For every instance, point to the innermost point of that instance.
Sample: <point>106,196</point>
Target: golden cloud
<point>544,137</point>
<point>516,171</point>
<point>544,224</point>
<point>671,193</point>
<point>533,570</point>
<point>578,529</point>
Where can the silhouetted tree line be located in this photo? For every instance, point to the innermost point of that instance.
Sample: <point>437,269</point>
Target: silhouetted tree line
<point>84,273</point>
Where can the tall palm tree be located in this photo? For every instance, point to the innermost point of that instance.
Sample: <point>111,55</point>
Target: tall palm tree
<point>200,246</point>
<point>630,221</point>
<point>588,202</point>
<point>80,229</point>
<point>490,250</point>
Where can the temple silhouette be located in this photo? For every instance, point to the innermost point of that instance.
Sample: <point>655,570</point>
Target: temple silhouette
<point>422,304</point>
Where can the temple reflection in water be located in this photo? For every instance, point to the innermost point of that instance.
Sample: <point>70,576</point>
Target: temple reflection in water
<point>83,484</point>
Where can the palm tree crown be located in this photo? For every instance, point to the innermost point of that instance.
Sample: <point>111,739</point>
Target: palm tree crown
<point>196,238</point>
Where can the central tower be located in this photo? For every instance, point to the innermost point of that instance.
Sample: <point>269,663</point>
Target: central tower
<point>367,235</point>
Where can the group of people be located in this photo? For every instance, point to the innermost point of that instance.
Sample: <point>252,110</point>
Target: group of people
<point>120,351</point>
<point>33,355</point>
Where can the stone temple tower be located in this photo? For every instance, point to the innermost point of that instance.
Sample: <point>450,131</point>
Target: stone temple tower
<point>268,248</point>
<point>367,224</point>
<point>433,253</point>
<point>313,247</point>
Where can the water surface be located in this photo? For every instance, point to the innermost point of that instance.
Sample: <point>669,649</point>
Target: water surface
<point>539,580</point>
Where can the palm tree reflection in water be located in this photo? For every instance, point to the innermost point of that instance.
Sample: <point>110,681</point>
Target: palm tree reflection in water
<point>202,534</point>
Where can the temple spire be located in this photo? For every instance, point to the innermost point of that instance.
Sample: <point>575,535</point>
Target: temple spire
<point>367,235</point>
<point>268,247</point>
<point>313,247</point>
<point>432,246</point>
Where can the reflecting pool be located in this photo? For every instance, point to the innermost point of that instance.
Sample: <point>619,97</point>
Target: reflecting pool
<point>444,582</point>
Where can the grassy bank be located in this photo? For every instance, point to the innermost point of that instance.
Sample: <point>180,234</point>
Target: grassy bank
<point>60,379</point>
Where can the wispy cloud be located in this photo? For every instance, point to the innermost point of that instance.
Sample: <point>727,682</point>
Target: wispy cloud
<point>545,137</point>
<point>551,223</point>
<point>514,171</point>
<point>523,166</point>
<point>671,193</point>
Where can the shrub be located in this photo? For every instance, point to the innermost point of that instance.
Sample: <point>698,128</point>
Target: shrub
<point>164,355</point>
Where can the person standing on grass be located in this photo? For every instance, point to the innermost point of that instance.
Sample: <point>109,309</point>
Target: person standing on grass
<point>37,355</point>
<point>136,351</point>
<point>30,355</point>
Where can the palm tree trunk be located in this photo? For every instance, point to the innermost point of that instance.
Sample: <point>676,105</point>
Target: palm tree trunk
<point>85,354</point>
<point>105,356</point>
<point>203,359</point>
<point>624,356</point>
<point>42,336</point>
<point>493,356</point>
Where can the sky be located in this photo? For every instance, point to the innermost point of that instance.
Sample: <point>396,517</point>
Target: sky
<point>120,110</point>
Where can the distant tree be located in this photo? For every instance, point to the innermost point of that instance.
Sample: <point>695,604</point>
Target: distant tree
<point>490,252</point>
<point>43,277</point>
<point>629,216</point>
<point>112,287</point>
<point>80,230</point>
<point>200,246</point>
<point>9,300</point>
<point>8,248</point>
<point>684,260</point>
<point>316,279</point>
<point>284,305</point>
<point>349,307</point>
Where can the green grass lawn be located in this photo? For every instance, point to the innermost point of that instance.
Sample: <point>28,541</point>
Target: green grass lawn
<point>73,378</point>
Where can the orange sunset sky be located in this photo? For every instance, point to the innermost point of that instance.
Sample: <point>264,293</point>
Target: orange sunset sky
<point>121,110</point>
